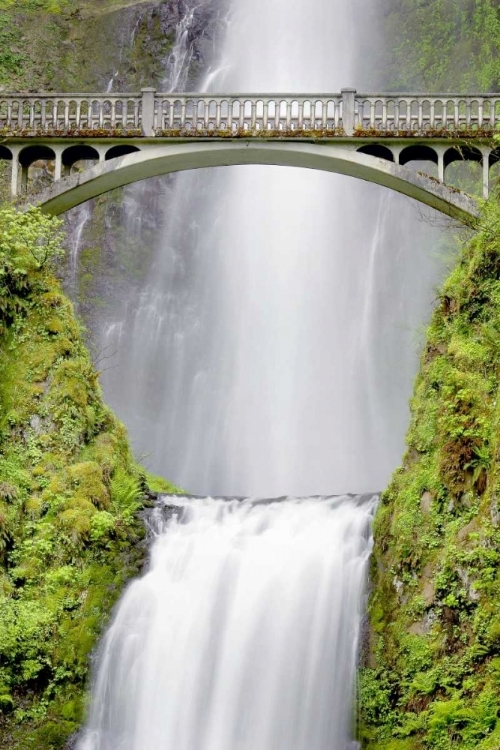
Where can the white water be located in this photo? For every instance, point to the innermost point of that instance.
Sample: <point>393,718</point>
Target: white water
<point>274,346</point>
<point>272,352</point>
<point>243,635</point>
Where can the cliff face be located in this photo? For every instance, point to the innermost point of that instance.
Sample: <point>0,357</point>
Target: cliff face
<point>70,492</point>
<point>433,679</point>
<point>440,45</point>
<point>432,676</point>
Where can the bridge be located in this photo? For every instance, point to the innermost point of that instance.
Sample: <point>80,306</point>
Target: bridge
<point>92,143</point>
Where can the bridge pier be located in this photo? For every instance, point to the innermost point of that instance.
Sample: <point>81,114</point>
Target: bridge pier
<point>14,182</point>
<point>486,152</point>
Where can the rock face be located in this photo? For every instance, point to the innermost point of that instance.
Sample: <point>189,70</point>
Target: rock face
<point>435,607</point>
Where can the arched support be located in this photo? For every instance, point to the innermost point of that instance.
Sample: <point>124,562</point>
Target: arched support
<point>30,154</point>
<point>76,153</point>
<point>161,160</point>
<point>376,149</point>
<point>154,162</point>
<point>418,152</point>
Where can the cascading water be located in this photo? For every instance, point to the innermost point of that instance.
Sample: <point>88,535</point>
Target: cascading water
<point>243,635</point>
<point>272,347</point>
<point>270,352</point>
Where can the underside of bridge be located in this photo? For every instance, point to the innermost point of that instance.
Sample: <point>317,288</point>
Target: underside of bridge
<point>380,164</point>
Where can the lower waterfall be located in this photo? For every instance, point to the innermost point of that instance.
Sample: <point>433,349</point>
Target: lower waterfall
<point>243,634</point>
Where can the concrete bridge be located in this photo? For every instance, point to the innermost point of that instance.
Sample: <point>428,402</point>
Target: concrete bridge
<point>96,142</point>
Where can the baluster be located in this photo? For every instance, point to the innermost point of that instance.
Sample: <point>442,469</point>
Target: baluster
<point>288,115</point>
<point>206,113</point>
<point>195,103</point>
<point>218,114</point>
<point>384,114</point>
<point>20,114</point>
<point>408,115</point>
<point>432,115</point>
<point>265,113</point>
<point>373,109</point>
<point>113,113</point>
<point>324,114</point>
<point>300,123</point>
<point>242,115</point>
<point>253,121</point>
<point>101,114</point>
<point>9,115</point>
<point>55,122</point>
<point>396,115</point>
<point>468,108</point>
<point>457,115</point>
<point>43,114</point>
<point>230,114</point>
<point>420,105</point>
<point>66,115</point>
<point>480,113</point>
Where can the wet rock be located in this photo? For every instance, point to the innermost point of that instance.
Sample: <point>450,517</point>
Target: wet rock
<point>426,503</point>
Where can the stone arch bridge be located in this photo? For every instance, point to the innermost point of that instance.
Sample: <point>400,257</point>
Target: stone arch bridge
<point>92,143</point>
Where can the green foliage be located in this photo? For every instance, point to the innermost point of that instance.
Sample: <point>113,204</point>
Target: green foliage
<point>69,495</point>
<point>435,612</point>
<point>430,45</point>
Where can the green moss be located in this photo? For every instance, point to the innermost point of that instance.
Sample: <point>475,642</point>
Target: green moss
<point>70,492</point>
<point>435,611</point>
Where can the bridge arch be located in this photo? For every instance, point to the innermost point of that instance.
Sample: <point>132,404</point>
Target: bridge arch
<point>376,149</point>
<point>5,153</point>
<point>155,161</point>
<point>30,154</point>
<point>418,152</point>
<point>74,154</point>
<point>122,150</point>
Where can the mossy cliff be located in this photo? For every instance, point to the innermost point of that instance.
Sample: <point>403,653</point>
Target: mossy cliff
<point>439,45</point>
<point>432,666</point>
<point>433,674</point>
<point>70,493</point>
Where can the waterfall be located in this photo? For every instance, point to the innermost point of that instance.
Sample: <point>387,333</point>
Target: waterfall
<point>244,632</point>
<point>272,349</point>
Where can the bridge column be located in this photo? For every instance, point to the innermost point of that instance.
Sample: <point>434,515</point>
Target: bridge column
<point>148,111</point>
<point>58,164</point>
<point>486,152</point>
<point>348,110</point>
<point>24,179</point>
<point>14,184</point>
<point>440,155</point>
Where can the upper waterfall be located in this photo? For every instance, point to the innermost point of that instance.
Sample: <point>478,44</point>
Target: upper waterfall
<point>271,350</point>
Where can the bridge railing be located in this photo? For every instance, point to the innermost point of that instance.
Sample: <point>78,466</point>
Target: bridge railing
<point>423,113</point>
<point>65,113</point>
<point>154,114</point>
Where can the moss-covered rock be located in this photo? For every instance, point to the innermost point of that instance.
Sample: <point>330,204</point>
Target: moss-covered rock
<point>433,674</point>
<point>70,492</point>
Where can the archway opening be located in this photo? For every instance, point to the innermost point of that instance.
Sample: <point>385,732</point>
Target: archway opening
<point>376,149</point>
<point>463,167</point>
<point>79,157</point>
<point>37,165</point>
<point>122,150</point>
<point>421,158</point>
